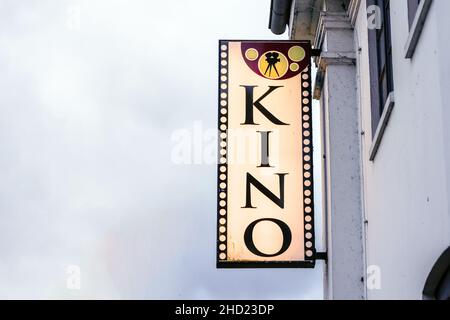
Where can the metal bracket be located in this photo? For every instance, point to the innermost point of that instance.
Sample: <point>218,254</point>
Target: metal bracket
<point>322,256</point>
<point>316,52</point>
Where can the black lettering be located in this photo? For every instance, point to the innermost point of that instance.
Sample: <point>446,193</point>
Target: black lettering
<point>287,238</point>
<point>279,201</point>
<point>250,103</point>
<point>265,149</point>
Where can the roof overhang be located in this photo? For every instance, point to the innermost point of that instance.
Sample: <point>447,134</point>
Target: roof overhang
<point>304,18</point>
<point>301,16</point>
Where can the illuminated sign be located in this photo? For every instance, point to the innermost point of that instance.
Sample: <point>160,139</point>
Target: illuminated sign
<point>265,166</point>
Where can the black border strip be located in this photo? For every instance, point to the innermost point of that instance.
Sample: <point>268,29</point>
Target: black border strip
<point>308,160</point>
<point>266,265</point>
<point>220,148</point>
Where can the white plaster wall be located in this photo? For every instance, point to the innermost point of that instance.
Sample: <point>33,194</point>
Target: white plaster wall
<point>406,187</point>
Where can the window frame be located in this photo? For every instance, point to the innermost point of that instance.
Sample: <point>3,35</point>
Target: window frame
<point>416,25</point>
<point>381,75</point>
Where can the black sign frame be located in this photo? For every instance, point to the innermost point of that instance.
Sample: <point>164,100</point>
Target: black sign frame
<point>222,167</point>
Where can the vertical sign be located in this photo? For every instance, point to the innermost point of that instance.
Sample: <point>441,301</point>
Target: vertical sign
<point>265,169</point>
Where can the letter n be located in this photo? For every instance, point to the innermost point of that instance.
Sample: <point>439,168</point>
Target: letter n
<point>251,181</point>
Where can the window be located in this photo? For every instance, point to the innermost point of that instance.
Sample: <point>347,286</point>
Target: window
<point>413,5</point>
<point>380,46</point>
<point>437,286</point>
<point>384,55</point>
<point>417,14</point>
<point>381,73</point>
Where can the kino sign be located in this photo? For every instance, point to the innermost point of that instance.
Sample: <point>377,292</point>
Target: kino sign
<point>265,170</point>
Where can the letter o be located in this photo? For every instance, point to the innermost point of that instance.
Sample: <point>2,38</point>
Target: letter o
<point>287,238</point>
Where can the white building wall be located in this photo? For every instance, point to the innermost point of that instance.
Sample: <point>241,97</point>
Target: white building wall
<point>406,186</point>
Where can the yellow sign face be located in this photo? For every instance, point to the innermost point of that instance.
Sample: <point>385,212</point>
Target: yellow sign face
<point>265,170</point>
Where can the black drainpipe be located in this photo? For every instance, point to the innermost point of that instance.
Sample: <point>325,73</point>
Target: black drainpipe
<point>279,15</point>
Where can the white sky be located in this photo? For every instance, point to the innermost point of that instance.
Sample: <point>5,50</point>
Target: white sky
<point>86,117</point>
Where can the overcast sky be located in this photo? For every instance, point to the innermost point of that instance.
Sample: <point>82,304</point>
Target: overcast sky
<point>91,94</point>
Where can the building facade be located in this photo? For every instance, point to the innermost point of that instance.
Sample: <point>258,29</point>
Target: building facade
<point>384,93</point>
